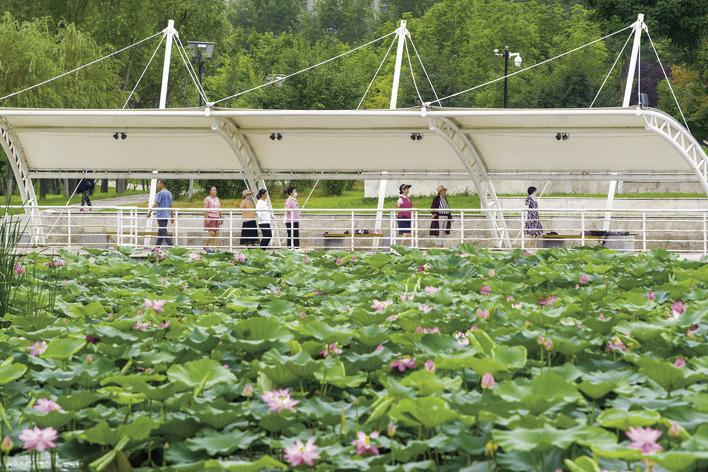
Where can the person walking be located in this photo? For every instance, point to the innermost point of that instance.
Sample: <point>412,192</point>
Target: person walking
<point>212,219</point>
<point>249,227</point>
<point>292,218</point>
<point>85,188</point>
<point>163,210</point>
<point>265,217</point>
<point>403,216</point>
<point>440,210</point>
<point>532,226</point>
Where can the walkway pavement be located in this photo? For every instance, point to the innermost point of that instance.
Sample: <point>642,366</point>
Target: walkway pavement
<point>124,200</point>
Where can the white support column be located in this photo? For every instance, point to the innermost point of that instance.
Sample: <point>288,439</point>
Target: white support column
<point>401,32</point>
<point>638,27</point>
<point>170,32</point>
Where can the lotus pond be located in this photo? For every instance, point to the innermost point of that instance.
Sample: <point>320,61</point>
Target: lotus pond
<point>444,360</point>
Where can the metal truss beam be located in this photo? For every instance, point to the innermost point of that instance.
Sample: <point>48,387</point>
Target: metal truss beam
<point>20,169</point>
<point>471,159</point>
<point>685,144</point>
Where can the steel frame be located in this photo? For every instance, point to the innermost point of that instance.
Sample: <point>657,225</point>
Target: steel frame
<point>463,145</point>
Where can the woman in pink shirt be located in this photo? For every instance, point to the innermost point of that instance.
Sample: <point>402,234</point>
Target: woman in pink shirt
<point>404,205</point>
<point>292,218</point>
<point>212,219</point>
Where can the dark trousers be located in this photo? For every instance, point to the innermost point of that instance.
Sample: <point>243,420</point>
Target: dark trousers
<point>293,229</point>
<point>249,233</point>
<point>85,200</point>
<point>162,235</point>
<point>266,234</point>
<point>436,225</point>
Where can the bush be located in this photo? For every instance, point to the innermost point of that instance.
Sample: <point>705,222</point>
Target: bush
<point>334,187</point>
<point>225,188</point>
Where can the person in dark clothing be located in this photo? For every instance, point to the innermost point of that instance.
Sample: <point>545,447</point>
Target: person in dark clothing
<point>85,188</point>
<point>440,210</point>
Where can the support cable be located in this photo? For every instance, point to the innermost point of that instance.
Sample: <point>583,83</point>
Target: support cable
<point>376,73</point>
<point>611,69</point>
<point>76,69</point>
<point>410,66</point>
<point>678,105</point>
<point>533,66</point>
<point>437,99</point>
<point>303,70</point>
<point>187,64</point>
<point>127,100</point>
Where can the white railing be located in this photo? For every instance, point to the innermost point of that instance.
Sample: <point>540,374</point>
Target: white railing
<point>678,230</point>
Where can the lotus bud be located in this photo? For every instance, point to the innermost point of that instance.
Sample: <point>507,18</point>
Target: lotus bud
<point>490,448</point>
<point>548,344</point>
<point>391,431</point>
<point>488,381</point>
<point>675,430</point>
<point>248,391</point>
<point>6,445</point>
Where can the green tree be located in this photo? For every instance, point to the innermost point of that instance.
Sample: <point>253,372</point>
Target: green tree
<point>276,16</point>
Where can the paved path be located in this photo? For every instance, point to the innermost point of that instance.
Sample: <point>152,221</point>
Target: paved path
<point>124,200</point>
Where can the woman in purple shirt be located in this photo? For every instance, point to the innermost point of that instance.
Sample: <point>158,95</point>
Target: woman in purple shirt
<point>404,205</point>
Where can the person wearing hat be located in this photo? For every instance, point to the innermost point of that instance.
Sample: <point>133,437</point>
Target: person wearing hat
<point>265,217</point>
<point>212,219</point>
<point>249,227</point>
<point>440,210</point>
<point>404,205</point>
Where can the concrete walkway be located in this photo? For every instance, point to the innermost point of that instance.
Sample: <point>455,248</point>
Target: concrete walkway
<point>124,200</point>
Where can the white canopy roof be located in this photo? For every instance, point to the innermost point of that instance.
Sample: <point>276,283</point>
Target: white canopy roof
<point>602,144</point>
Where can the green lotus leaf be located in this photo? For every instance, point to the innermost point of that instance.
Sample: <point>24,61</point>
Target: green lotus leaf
<point>63,348</point>
<point>582,464</point>
<point>668,376</point>
<point>325,333</point>
<point>335,374</point>
<point>427,383</point>
<point>137,429</point>
<point>79,400</point>
<point>624,420</point>
<point>547,391</point>
<point>429,412</point>
<point>263,463</point>
<point>522,439</point>
<point>598,384</point>
<point>121,396</point>
<point>9,372</point>
<point>202,373</point>
<point>676,460</point>
<point>217,443</point>
<point>56,419</point>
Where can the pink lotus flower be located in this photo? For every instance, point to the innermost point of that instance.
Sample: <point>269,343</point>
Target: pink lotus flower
<point>421,268</point>
<point>298,453</point>
<point>279,400</point>
<point>491,273</point>
<point>548,344</point>
<point>474,328</point>
<point>584,278</point>
<point>363,443</point>
<point>141,326</point>
<point>601,317</point>
<point>677,309</point>
<point>37,348</point>
<point>19,269</point>
<point>485,290</point>
<point>616,344</point>
<point>380,306</point>
<point>483,314</point>
<point>331,350</point>
<point>420,329</point>
<point>526,253</point>
<point>548,301</point>
<point>392,318</point>
<point>248,390</point>
<point>164,324</point>
<point>403,364</point>
<point>675,430</point>
<point>339,261</point>
<point>650,295</point>
<point>6,445</point>
<point>430,289</point>
<point>159,253</point>
<point>509,298</point>
<point>37,439</point>
<point>240,258</point>
<point>692,330</point>
<point>379,348</point>
<point>430,365</point>
<point>407,297</point>
<point>644,439</point>
<point>156,305</point>
<point>488,381</point>
<point>56,262</point>
<point>516,305</point>
<point>680,362</point>
<point>45,405</point>
<point>461,338</point>
<point>425,308</point>
<point>194,257</point>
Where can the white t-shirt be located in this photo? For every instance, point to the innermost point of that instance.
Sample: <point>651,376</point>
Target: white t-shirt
<point>263,212</point>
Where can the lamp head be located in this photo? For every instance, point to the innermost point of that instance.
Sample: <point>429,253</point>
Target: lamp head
<point>517,61</point>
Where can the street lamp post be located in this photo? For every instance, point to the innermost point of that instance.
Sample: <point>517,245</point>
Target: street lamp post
<point>202,50</point>
<point>517,62</point>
